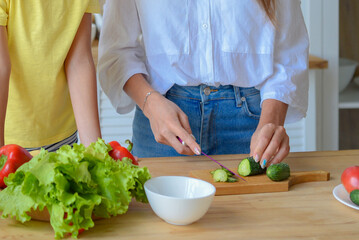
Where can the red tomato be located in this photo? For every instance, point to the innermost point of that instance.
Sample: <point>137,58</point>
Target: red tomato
<point>119,152</point>
<point>350,178</point>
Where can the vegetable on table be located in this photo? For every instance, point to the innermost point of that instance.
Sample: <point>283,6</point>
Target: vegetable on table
<point>12,156</point>
<point>219,175</point>
<point>119,152</point>
<point>278,172</point>
<point>223,175</point>
<point>350,178</point>
<point>74,184</point>
<point>232,179</point>
<point>249,167</point>
<point>354,196</point>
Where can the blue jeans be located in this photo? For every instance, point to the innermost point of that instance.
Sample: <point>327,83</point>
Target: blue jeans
<point>222,119</point>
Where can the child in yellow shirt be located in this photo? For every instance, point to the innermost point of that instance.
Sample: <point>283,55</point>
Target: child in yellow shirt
<point>47,75</point>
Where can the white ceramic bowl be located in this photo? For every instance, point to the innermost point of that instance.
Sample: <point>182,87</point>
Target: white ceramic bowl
<point>346,71</point>
<point>179,200</point>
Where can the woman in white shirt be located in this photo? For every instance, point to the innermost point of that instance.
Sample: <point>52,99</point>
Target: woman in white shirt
<point>228,72</point>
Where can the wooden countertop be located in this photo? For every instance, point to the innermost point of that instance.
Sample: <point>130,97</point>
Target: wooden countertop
<point>307,211</point>
<point>314,62</point>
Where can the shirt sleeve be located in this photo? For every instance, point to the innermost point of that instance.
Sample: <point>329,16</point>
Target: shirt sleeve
<point>289,82</point>
<point>93,7</point>
<point>121,55</point>
<point>3,13</point>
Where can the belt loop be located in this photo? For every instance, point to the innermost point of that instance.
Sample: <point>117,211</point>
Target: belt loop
<point>237,95</point>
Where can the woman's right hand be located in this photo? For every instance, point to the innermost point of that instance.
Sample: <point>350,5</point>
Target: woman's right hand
<point>168,123</point>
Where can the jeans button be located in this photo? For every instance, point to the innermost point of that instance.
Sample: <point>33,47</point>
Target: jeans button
<point>243,99</point>
<point>207,91</point>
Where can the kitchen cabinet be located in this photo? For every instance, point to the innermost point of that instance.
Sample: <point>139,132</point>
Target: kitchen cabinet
<point>349,48</point>
<point>349,97</point>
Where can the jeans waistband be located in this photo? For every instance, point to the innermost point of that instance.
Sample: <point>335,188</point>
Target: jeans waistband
<point>205,93</point>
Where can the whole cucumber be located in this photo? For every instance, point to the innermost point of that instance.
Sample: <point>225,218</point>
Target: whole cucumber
<point>354,196</point>
<point>278,172</point>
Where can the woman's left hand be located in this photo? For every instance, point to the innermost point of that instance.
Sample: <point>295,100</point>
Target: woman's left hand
<point>269,144</point>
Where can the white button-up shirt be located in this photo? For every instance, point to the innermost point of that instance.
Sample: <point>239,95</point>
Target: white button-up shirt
<point>192,42</point>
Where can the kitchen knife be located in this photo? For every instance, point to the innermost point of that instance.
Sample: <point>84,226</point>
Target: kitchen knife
<point>179,139</point>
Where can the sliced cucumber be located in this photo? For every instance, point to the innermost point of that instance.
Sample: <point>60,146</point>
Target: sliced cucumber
<point>232,179</point>
<point>223,175</point>
<point>249,166</point>
<point>220,175</point>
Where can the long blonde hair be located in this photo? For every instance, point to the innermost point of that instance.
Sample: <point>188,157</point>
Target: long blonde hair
<point>269,7</point>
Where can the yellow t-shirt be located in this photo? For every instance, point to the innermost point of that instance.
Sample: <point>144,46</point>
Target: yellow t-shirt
<point>40,34</point>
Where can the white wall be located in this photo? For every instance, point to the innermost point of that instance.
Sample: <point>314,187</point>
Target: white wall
<point>322,19</point>
<point>114,127</point>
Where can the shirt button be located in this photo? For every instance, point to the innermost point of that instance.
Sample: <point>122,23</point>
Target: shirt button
<point>207,91</point>
<point>243,99</point>
<point>205,25</point>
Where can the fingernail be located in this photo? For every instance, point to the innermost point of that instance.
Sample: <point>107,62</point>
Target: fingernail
<point>264,163</point>
<point>196,151</point>
<point>256,158</point>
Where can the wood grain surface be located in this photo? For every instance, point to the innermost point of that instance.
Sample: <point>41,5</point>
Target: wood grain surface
<point>259,183</point>
<point>307,211</point>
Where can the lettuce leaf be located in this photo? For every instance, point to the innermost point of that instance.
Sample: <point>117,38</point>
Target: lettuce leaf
<point>74,184</point>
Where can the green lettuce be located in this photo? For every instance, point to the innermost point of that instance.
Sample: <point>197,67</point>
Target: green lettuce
<point>74,184</point>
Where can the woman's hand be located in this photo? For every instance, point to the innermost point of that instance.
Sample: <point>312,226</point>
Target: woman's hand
<point>168,121</point>
<point>270,142</point>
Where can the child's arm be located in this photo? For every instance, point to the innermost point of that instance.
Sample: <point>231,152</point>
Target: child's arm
<point>81,77</point>
<point>5,69</point>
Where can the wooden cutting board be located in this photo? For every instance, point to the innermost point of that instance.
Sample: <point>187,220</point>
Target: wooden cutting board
<point>260,183</point>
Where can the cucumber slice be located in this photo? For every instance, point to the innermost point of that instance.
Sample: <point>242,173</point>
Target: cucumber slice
<point>354,196</point>
<point>223,175</point>
<point>229,174</point>
<point>232,179</point>
<point>220,175</point>
<point>249,166</point>
<point>278,172</point>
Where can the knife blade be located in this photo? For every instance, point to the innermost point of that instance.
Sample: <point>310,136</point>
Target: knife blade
<point>179,139</point>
